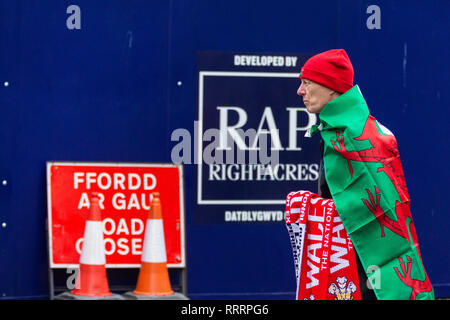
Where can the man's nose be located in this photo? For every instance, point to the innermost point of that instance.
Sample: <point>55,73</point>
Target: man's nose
<point>301,90</point>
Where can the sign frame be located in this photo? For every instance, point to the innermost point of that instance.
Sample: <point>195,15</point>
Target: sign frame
<point>49,165</point>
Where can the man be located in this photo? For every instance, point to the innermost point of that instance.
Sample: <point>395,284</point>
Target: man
<point>361,171</point>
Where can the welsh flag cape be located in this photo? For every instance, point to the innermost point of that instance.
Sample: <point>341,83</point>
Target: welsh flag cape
<point>365,177</point>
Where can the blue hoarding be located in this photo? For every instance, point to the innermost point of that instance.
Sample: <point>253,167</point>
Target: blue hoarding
<point>118,87</point>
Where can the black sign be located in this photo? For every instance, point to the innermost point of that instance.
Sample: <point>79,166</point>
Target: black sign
<point>251,150</point>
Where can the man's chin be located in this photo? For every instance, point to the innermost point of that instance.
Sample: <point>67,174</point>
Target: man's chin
<point>310,110</point>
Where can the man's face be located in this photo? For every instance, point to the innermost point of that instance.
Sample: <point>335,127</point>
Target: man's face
<point>315,96</point>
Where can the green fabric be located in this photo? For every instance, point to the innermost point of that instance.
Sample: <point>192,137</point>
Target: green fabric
<point>385,255</point>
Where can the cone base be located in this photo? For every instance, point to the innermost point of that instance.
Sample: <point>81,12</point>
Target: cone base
<point>130,295</point>
<point>68,296</point>
<point>153,280</point>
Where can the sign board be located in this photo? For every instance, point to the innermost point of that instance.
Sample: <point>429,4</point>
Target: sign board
<point>125,191</point>
<point>252,92</point>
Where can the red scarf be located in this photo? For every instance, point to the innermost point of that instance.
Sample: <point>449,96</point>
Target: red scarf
<point>324,257</point>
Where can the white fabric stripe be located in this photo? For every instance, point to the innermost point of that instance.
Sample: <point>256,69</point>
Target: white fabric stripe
<point>154,249</point>
<point>93,251</point>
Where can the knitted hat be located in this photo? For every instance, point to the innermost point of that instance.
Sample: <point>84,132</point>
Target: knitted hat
<point>331,69</point>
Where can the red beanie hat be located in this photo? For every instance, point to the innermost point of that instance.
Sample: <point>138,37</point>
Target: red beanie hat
<point>331,69</point>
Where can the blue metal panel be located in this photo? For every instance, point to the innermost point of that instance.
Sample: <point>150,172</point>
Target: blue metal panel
<point>98,93</point>
<point>117,88</point>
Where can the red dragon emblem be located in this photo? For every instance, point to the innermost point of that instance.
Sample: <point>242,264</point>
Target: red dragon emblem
<point>384,151</point>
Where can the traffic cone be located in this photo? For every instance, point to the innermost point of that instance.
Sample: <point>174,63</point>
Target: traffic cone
<point>153,276</point>
<point>91,280</point>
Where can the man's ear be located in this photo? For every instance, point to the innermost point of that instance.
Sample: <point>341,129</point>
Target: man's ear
<point>335,92</point>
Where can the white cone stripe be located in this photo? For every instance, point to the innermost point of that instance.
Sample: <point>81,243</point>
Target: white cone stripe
<point>93,251</point>
<point>154,249</point>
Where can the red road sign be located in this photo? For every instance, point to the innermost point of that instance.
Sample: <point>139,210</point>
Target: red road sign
<point>125,193</point>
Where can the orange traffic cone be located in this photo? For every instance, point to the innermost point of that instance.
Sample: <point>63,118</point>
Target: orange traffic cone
<point>153,276</point>
<point>91,280</point>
